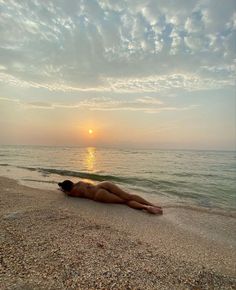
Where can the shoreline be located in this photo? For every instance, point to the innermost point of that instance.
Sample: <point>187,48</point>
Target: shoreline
<point>161,177</point>
<point>53,241</point>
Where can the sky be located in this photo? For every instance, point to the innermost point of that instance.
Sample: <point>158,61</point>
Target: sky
<point>138,73</point>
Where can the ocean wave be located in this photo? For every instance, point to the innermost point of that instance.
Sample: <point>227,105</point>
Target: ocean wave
<point>213,211</point>
<point>190,195</point>
<point>189,174</point>
<point>85,175</point>
<point>143,182</point>
<point>39,180</point>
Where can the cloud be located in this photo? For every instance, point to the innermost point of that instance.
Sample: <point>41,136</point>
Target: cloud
<point>116,45</point>
<point>9,100</point>
<point>155,83</point>
<point>38,105</point>
<point>144,104</point>
<point>168,82</point>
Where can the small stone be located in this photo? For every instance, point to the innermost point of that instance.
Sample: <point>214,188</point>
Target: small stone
<point>100,245</point>
<point>11,216</point>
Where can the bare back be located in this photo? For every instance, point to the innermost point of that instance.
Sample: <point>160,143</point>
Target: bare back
<point>83,189</point>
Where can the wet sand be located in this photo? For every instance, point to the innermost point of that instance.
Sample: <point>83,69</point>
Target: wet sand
<point>51,241</point>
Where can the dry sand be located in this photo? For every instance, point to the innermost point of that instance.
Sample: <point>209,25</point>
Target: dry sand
<point>51,241</point>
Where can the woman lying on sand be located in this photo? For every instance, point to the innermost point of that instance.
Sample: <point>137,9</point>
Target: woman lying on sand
<point>109,193</point>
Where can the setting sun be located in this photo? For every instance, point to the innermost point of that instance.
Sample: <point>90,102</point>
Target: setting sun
<point>90,131</point>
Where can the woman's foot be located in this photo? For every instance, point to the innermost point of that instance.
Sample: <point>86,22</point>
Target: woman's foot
<point>157,206</point>
<point>154,210</point>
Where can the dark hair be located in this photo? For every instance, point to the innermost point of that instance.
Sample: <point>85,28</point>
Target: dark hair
<point>66,185</point>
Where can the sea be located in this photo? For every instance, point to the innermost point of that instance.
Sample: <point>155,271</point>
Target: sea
<point>199,178</point>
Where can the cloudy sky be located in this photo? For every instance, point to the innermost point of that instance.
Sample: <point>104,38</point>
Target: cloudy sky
<point>143,73</point>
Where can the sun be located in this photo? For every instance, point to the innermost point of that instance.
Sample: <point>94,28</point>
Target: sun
<point>90,131</point>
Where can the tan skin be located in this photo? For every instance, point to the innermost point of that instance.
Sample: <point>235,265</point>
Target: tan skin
<point>108,192</point>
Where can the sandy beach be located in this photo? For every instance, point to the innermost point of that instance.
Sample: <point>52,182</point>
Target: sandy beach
<point>51,241</point>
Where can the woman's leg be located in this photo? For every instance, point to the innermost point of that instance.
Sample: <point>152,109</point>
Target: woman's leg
<point>103,195</point>
<point>149,208</point>
<point>122,194</point>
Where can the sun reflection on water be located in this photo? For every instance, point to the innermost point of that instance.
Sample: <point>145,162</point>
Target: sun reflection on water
<point>90,158</point>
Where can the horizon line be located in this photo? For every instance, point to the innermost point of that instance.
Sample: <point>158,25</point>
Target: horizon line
<point>120,147</point>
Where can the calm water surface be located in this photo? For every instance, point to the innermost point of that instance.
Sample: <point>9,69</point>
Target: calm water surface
<point>202,178</point>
